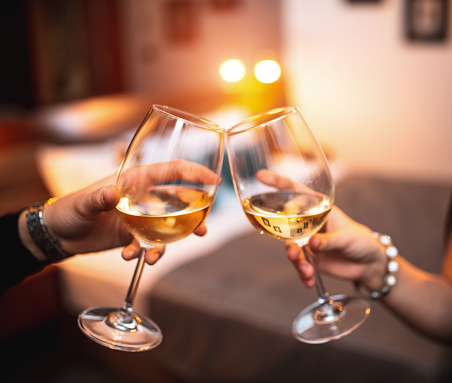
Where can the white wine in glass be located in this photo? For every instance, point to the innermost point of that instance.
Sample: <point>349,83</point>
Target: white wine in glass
<point>283,182</point>
<point>167,181</point>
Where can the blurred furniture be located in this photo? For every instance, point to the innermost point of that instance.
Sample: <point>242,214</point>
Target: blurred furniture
<point>226,302</point>
<point>226,317</point>
<point>20,182</point>
<point>103,117</point>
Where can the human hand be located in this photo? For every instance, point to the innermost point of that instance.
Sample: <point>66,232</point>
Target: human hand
<point>86,221</point>
<point>344,249</point>
<point>142,177</point>
<point>271,178</point>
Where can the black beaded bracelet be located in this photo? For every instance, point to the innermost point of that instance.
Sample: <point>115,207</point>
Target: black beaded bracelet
<point>390,279</point>
<point>49,245</point>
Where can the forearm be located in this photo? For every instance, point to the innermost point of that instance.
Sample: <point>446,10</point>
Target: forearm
<point>423,301</point>
<point>18,261</point>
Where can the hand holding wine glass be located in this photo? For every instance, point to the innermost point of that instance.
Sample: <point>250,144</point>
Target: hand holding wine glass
<point>167,182</point>
<point>284,185</point>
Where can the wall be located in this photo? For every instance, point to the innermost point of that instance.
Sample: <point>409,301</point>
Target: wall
<point>175,46</point>
<point>380,103</point>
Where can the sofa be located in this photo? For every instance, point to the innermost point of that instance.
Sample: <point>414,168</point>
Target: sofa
<point>227,317</point>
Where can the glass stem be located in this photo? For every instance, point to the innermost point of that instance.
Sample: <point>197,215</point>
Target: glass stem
<point>322,293</point>
<point>127,305</point>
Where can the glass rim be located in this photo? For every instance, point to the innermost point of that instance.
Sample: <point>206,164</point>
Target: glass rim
<point>188,117</point>
<point>262,119</point>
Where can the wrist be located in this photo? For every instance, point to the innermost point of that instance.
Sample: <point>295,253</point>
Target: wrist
<point>375,265</point>
<point>36,236</point>
<point>383,275</point>
<point>26,239</point>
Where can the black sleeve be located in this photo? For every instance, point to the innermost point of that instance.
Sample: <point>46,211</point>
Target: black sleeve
<point>448,228</point>
<point>17,262</point>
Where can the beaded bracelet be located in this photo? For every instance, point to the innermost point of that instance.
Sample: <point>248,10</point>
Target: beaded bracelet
<point>390,279</point>
<point>40,235</point>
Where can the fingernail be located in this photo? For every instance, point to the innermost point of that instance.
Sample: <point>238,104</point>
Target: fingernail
<point>316,243</point>
<point>154,258</point>
<point>127,253</point>
<point>102,194</point>
<point>303,267</point>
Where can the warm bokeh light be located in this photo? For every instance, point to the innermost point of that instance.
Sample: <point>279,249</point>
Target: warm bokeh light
<point>232,70</point>
<point>267,71</point>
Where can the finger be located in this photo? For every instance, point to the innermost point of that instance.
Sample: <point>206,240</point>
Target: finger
<point>293,250</point>
<point>332,241</point>
<point>315,243</point>
<point>271,178</point>
<point>110,197</point>
<point>100,200</point>
<point>194,172</point>
<point>201,230</point>
<point>182,170</point>
<point>131,251</point>
<point>151,256</point>
<point>305,271</point>
<point>309,281</point>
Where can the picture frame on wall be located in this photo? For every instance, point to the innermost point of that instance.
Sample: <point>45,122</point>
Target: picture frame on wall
<point>426,20</point>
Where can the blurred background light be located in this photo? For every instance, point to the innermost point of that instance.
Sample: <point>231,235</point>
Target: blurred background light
<point>267,71</point>
<point>232,70</point>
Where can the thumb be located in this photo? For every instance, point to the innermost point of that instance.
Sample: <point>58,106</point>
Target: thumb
<point>323,242</point>
<point>100,200</point>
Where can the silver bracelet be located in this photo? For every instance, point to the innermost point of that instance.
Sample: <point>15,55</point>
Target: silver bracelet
<point>40,235</point>
<point>390,279</point>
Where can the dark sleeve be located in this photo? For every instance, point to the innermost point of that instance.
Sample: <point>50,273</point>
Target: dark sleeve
<point>448,229</point>
<point>17,262</point>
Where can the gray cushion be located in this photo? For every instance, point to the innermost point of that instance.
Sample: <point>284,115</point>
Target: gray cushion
<point>227,317</point>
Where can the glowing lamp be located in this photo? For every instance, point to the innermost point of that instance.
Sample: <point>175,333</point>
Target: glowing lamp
<point>232,70</point>
<point>267,71</point>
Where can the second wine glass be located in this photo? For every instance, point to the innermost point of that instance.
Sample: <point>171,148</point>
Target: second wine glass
<point>167,181</point>
<point>284,185</point>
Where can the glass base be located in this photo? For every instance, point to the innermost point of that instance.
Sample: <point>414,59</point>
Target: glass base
<point>117,329</point>
<point>334,319</point>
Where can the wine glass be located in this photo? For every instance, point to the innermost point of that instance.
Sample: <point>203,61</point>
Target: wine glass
<point>167,180</point>
<point>284,185</point>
